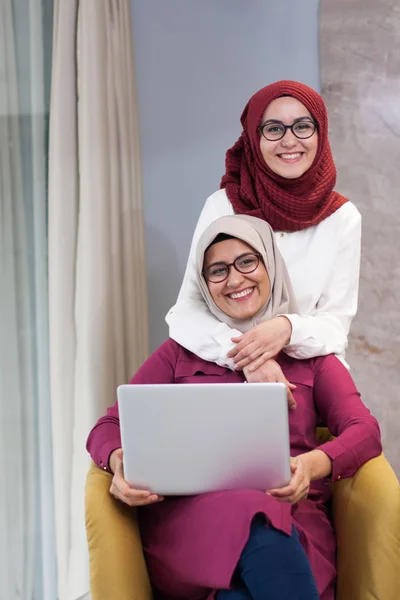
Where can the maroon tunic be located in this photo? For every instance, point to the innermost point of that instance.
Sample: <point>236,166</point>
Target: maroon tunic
<point>193,544</point>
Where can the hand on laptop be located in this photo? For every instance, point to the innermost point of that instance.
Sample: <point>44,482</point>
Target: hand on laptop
<point>121,490</point>
<point>305,468</point>
<point>299,484</point>
<point>270,371</point>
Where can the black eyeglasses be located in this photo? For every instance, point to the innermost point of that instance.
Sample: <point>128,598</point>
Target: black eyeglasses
<point>276,130</point>
<point>245,263</point>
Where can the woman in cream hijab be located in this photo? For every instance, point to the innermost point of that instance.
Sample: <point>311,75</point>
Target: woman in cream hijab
<point>248,544</point>
<point>258,235</point>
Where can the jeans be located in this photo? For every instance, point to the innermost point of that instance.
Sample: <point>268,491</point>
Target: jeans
<point>273,566</point>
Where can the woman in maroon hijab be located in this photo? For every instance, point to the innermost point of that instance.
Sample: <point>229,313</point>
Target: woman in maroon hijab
<point>281,170</point>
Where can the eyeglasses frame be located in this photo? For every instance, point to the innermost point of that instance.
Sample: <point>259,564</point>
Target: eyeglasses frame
<point>286,127</point>
<point>232,264</point>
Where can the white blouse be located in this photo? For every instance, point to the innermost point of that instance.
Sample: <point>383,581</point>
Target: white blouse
<point>324,265</point>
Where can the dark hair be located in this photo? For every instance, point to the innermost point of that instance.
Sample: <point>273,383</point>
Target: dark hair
<point>221,237</point>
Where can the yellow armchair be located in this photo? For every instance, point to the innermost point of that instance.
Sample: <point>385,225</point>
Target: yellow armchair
<point>367,521</point>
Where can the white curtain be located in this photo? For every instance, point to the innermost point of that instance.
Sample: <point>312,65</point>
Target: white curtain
<point>97,278</point>
<point>27,564</point>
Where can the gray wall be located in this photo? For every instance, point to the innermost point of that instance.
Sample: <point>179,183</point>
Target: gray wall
<point>197,64</point>
<point>361,85</point>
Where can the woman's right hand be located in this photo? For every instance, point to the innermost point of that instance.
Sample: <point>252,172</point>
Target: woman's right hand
<point>269,372</point>
<point>121,490</point>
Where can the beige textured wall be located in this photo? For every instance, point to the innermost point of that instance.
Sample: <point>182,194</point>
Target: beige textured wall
<point>360,72</point>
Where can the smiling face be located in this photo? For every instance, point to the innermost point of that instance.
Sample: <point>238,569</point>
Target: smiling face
<point>288,157</point>
<point>240,296</point>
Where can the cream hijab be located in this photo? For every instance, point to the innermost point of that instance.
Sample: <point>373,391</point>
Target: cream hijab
<point>259,235</point>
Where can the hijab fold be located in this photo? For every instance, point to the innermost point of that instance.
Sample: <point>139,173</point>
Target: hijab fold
<point>259,235</point>
<point>254,189</point>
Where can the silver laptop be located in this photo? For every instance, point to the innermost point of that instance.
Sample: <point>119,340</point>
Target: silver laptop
<point>194,438</point>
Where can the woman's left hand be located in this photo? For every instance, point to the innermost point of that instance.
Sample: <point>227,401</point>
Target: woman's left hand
<point>271,372</point>
<point>262,342</point>
<point>299,485</point>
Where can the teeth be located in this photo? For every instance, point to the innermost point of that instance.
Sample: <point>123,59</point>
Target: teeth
<point>291,156</point>
<point>241,294</point>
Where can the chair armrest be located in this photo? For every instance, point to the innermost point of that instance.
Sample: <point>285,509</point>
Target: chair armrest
<point>117,566</point>
<point>367,522</point>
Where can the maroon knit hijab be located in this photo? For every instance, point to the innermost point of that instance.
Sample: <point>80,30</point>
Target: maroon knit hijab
<point>254,189</point>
